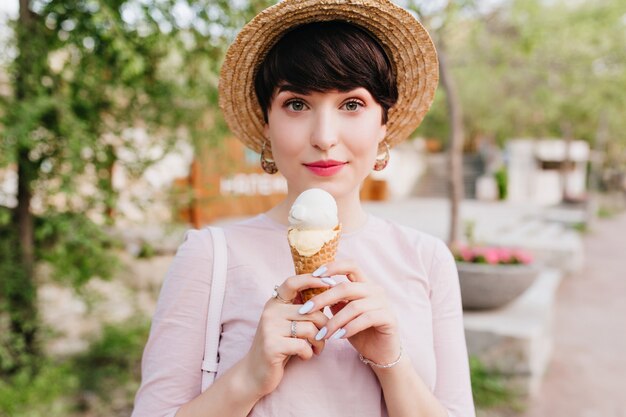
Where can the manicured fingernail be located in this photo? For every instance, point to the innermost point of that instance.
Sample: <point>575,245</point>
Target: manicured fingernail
<point>306,307</point>
<point>338,334</point>
<point>329,281</point>
<point>320,335</point>
<point>319,271</point>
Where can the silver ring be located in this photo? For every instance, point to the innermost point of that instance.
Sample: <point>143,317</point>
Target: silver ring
<point>279,298</point>
<point>293,328</point>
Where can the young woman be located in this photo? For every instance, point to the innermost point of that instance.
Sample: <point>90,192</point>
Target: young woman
<point>321,89</point>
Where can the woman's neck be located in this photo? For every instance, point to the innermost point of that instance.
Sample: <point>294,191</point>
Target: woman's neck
<point>349,209</point>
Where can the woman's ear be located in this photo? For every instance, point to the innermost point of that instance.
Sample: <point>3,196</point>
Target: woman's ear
<point>383,133</point>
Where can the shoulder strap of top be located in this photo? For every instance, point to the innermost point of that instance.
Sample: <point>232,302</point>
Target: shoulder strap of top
<point>216,299</point>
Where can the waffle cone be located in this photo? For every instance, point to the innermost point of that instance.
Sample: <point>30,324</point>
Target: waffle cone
<point>308,264</point>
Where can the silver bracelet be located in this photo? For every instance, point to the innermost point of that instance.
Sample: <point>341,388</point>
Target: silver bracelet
<point>377,365</point>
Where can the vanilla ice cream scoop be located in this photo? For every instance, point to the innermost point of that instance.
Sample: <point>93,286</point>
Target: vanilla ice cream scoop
<point>314,209</point>
<point>313,221</point>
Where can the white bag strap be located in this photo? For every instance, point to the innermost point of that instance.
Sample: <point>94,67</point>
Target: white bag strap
<point>216,299</point>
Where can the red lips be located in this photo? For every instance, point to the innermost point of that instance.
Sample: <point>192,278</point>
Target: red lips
<point>325,164</point>
<point>325,168</point>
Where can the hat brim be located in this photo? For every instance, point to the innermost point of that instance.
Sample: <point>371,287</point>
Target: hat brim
<point>403,37</point>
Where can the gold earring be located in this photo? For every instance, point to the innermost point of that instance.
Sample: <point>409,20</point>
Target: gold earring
<point>267,164</point>
<point>381,163</point>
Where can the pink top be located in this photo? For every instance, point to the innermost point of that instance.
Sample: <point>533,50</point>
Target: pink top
<point>416,269</point>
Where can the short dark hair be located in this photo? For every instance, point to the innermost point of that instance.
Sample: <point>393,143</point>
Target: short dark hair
<point>325,56</point>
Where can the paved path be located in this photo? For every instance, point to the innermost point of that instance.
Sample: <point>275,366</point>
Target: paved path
<point>587,375</point>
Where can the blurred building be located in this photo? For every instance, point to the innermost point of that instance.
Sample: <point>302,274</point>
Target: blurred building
<point>226,181</point>
<point>547,171</point>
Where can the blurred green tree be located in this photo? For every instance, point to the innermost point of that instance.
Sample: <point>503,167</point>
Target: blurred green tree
<point>440,20</point>
<point>527,68</point>
<point>94,83</point>
<point>530,68</point>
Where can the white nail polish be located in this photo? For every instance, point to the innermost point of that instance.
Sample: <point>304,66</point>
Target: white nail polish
<point>329,281</point>
<point>338,334</point>
<point>319,271</point>
<point>306,307</point>
<point>320,335</point>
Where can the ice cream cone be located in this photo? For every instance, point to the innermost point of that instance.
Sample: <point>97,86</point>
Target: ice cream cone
<point>308,264</point>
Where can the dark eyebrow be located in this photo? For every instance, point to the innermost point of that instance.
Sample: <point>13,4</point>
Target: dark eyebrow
<point>292,89</point>
<point>286,87</point>
<point>297,90</point>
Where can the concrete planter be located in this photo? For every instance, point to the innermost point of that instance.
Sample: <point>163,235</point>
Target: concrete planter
<point>486,286</point>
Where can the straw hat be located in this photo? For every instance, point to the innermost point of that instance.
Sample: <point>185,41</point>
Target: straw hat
<point>404,39</point>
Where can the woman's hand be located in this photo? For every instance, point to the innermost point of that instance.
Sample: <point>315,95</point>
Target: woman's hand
<point>362,314</point>
<point>273,343</point>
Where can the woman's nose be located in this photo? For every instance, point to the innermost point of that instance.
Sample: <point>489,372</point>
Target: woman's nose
<point>325,131</point>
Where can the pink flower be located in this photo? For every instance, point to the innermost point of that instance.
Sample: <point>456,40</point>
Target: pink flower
<point>523,257</point>
<point>466,254</point>
<point>491,256</point>
<point>505,255</point>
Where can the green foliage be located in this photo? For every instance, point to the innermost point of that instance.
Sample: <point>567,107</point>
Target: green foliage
<point>146,250</point>
<point>18,321</point>
<point>112,366</point>
<point>108,374</point>
<point>581,227</point>
<point>503,181</point>
<point>45,393</point>
<point>469,231</point>
<point>530,68</point>
<point>435,124</point>
<point>94,85</point>
<point>605,212</point>
<point>75,246</point>
<point>489,388</point>
<point>13,351</point>
<point>97,83</point>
